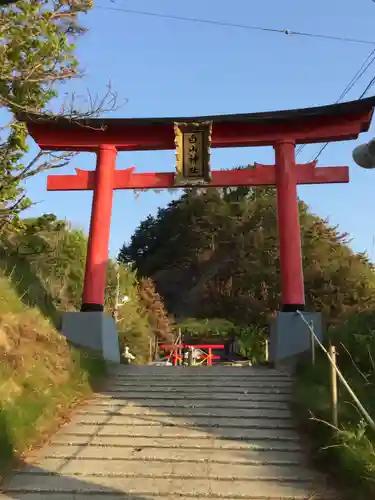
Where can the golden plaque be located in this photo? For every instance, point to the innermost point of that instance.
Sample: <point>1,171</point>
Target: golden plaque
<point>193,148</point>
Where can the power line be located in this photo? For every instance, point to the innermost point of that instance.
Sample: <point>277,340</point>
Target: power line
<point>316,157</point>
<point>372,82</point>
<point>370,59</point>
<point>360,72</point>
<point>236,25</point>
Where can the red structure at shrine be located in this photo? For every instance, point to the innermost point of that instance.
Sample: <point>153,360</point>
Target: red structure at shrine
<point>174,352</point>
<point>282,130</point>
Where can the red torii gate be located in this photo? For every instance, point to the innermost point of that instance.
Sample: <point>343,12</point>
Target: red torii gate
<point>282,130</point>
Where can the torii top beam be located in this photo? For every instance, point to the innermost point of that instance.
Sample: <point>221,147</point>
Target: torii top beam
<point>335,122</point>
<point>281,129</point>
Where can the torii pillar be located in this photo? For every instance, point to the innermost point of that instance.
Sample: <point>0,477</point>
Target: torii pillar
<point>282,130</point>
<point>98,242</point>
<point>292,283</point>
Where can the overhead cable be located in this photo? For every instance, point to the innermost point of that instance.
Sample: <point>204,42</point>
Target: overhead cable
<point>236,25</point>
<point>370,59</point>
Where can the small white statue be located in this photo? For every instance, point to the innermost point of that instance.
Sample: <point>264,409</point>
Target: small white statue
<point>129,357</point>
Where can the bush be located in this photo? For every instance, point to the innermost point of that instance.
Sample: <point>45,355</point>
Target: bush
<point>351,448</point>
<point>251,340</point>
<point>252,343</point>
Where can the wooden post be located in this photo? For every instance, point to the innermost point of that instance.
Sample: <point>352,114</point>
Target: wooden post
<point>335,416</point>
<point>190,357</point>
<point>180,360</point>
<point>312,343</point>
<point>155,349</point>
<point>150,350</point>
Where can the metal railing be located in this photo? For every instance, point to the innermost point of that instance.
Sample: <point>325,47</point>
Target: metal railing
<point>335,372</point>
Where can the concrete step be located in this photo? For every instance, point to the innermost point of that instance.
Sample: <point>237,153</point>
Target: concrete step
<point>183,403</point>
<point>191,413</point>
<point>138,443</point>
<point>108,495</point>
<point>263,389</point>
<point>195,371</point>
<point>223,433</point>
<point>181,432</point>
<point>260,396</point>
<point>195,380</point>
<point>196,385</point>
<point>171,470</point>
<point>253,456</point>
<point>195,488</point>
<point>185,421</point>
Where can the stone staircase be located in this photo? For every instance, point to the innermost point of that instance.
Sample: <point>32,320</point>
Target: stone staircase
<point>168,433</point>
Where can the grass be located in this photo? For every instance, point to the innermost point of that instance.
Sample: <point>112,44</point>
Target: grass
<point>349,451</point>
<point>41,376</point>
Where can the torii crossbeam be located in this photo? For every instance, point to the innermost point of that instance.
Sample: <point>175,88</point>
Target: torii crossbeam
<point>282,130</point>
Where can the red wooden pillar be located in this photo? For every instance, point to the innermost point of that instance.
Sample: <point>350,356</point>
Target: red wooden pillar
<point>292,286</point>
<point>209,357</point>
<point>97,249</point>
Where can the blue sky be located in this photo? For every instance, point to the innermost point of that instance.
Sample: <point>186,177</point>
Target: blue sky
<point>161,67</point>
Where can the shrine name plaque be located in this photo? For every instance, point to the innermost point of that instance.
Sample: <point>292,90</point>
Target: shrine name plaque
<point>193,151</point>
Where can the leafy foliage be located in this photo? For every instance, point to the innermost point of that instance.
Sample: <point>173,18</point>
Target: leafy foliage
<point>250,340</point>
<point>133,326</point>
<point>350,450</point>
<point>158,320</point>
<point>208,327</point>
<point>45,259</point>
<point>37,52</point>
<point>214,254</point>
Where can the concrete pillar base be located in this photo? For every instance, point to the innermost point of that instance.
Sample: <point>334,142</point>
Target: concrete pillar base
<point>290,336</point>
<point>92,330</point>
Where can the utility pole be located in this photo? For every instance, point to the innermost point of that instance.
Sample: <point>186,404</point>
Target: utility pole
<point>119,301</point>
<point>117,296</point>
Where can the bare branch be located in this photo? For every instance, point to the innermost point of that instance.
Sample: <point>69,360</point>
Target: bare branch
<point>354,364</point>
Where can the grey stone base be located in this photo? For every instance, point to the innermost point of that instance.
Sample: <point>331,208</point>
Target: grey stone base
<point>291,337</point>
<point>92,330</point>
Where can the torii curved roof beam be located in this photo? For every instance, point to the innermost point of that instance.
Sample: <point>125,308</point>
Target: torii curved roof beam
<point>335,122</point>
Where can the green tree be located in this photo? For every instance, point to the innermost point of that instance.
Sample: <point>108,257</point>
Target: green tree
<point>158,320</point>
<point>37,53</point>
<point>215,254</point>
<point>45,260</point>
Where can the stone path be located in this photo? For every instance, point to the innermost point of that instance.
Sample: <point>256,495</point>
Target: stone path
<point>168,433</point>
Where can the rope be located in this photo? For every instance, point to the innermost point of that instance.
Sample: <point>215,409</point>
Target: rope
<point>362,409</point>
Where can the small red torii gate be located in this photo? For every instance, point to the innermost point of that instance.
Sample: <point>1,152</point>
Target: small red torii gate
<point>176,348</point>
<point>282,130</point>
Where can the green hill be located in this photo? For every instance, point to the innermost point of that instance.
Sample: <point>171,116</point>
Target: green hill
<point>214,254</point>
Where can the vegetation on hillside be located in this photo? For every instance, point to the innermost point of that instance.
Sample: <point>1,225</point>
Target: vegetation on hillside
<point>45,259</point>
<point>214,254</point>
<point>348,451</point>
<point>41,377</point>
